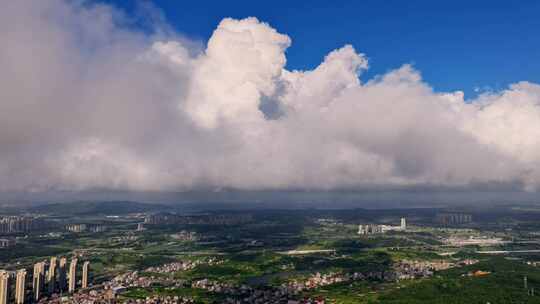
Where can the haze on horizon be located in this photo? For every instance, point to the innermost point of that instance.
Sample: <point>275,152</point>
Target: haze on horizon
<point>88,101</point>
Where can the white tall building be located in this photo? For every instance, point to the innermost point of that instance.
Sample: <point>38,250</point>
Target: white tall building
<point>51,275</point>
<point>4,287</point>
<point>403,224</point>
<point>86,266</point>
<point>72,277</point>
<point>20,286</point>
<point>37,279</point>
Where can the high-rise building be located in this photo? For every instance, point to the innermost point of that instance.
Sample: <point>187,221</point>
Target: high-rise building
<point>20,286</point>
<point>14,224</point>
<point>370,229</point>
<point>37,279</point>
<point>62,274</point>
<point>4,287</point>
<point>85,269</point>
<point>72,275</point>
<point>448,219</point>
<point>76,228</point>
<point>403,224</point>
<point>51,275</point>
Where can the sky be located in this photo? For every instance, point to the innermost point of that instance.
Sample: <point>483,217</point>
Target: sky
<point>150,97</point>
<point>471,46</point>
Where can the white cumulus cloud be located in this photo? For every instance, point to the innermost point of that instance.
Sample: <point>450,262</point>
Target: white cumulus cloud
<point>87,101</point>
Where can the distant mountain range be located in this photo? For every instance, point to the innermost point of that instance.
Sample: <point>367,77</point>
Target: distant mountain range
<point>98,208</point>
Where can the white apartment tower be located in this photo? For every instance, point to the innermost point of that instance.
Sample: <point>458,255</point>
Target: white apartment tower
<point>20,286</point>
<point>72,278</point>
<point>85,269</point>
<point>37,279</point>
<point>403,224</point>
<point>4,287</point>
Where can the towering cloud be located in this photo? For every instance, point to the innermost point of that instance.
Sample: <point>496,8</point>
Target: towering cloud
<point>86,101</point>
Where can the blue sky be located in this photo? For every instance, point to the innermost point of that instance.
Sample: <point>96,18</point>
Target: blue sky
<point>457,45</point>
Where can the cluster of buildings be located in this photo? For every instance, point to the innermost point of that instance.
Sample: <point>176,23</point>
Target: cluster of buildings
<point>376,229</point>
<point>161,300</point>
<point>108,291</point>
<point>409,269</point>
<point>78,228</point>
<point>406,270</point>
<point>244,294</point>
<point>124,239</point>
<point>260,297</point>
<point>319,280</point>
<point>289,292</point>
<point>185,236</point>
<point>182,265</point>
<point>248,295</point>
<point>17,224</point>
<point>449,219</point>
<point>134,279</point>
<point>48,279</point>
<point>202,219</point>
<point>272,296</point>
<point>474,241</point>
